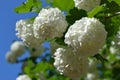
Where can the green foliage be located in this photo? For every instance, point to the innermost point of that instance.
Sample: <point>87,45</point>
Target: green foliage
<point>75,14</point>
<point>99,57</point>
<point>96,10</point>
<point>109,6</point>
<point>58,78</point>
<point>43,68</point>
<point>60,41</point>
<point>114,9</point>
<point>30,65</point>
<point>65,5</point>
<point>28,6</point>
<point>116,1</point>
<point>112,25</point>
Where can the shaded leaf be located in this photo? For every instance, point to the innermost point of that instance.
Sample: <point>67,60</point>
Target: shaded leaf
<point>116,1</point>
<point>112,26</point>
<point>109,6</point>
<point>75,14</point>
<point>60,41</point>
<point>99,57</point>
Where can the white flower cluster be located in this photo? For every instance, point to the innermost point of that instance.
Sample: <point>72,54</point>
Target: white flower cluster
<point>92,65</point>
<point>70,64</point>
<point>91,76</point>
<point>117,40</point>
<point>17,49</point>
<point>25,32</point>
<point>86,36</point>
<point>10,57</point>
<point>93,72</point>
<point>114,50</point>
<point>87,5</point>
<point>23,77</point>
<point>50,23</point>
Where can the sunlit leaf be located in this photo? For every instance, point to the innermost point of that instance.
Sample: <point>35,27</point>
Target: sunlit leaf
<point>29,65</point>
<point>117,1</point>
<point>28,6</point>
<point>63,4</point>
<point>95,11</point>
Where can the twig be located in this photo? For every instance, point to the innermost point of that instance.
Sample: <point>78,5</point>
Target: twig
<point>116,14</point>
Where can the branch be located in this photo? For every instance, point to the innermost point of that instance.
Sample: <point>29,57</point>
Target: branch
<point>116,14</point>
<point>99,57</point>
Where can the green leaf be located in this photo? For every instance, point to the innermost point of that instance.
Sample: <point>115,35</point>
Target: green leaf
<point>99,57</point>
<point>43,66</point>
<point>95,11</point>
<point>112,6</point>
<point>75,14</point>
<point>58,77</point>
<point>114,9</point>
<point>29,65</point>
<point>110,0</point>
<point>49,1</point>
<point>28,6</point>
<point>60,41</point>
<point>65,5</point>
<point>117,1</point>
<point>112,26</point>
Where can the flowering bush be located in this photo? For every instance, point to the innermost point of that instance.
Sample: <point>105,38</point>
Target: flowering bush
<point>82,38</point>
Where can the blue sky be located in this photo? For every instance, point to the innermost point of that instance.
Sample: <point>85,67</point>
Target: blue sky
<point>8,20</point>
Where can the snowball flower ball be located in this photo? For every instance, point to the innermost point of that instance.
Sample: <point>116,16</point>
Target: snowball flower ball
<point>87,5</point>
<point>23,77</point>
<point>86,36</point>
<point>69,64</point>
<point>117,40</point>
<point>18,48</point>
<point>91,76</point>
<point>50,23</point>
<point>25,32</point>
<point>10,57</point>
